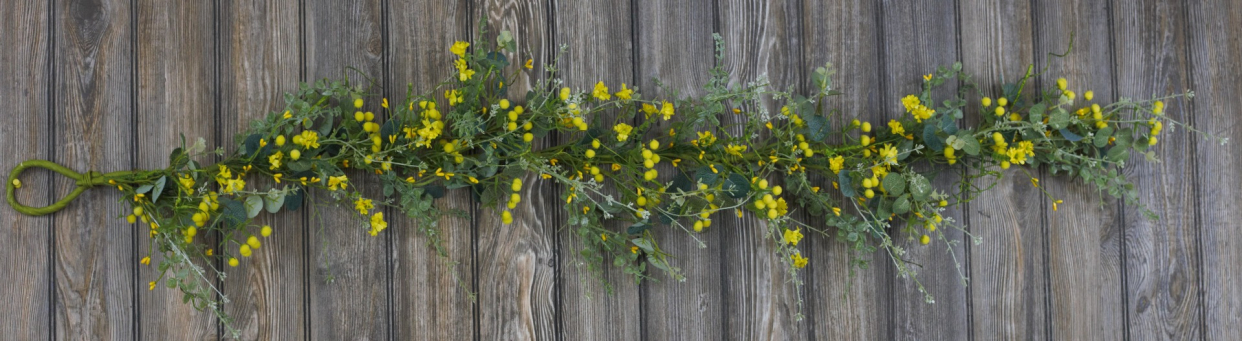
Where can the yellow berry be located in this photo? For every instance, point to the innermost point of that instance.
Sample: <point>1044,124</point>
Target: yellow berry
<point>233,262</point>
<point>870,193</point>
<point>131,218</point>
<point>763,183</point>
<point>1088,95</point>
<point>295,154</point>
<point>1004,164</point>
<point>1002,101</point>
<point>527,137</point>
<point>138,210</point>
<point>504,103</point>
<point>1151,141</point>
<point>925,240</point>
<point>517,185</point>
<point>244,250</point>
<point>590,153</point>
<point>777,190</point>
<point>866,127</point>
<point>265,231</point>
<point>359,116</point>
<point>1062,83</point>
<point>987,102</point>
<point>772,214</point>
<point>698,226</point>
<point>1000,110</point>
<point>280,140</point>
<point>515,198</point>
<point>507,217</point>
<point>358,103</point>
<point>253,242</point>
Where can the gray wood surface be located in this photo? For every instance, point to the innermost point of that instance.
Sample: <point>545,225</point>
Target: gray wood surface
<point>177,54</point>
<point>110,85</point>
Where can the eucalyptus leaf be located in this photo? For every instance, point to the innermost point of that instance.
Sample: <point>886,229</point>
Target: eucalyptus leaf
<point>254,205</point>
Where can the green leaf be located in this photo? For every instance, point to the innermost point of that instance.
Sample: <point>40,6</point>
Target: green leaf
<point>920,188</point>
<point>294,200</point>
<point>638,228</point>
<point>143,189</point>
<point>1059,119</point>
<point>894,183</point>
<point>1118,153</point>
<point>1069,135</point>
<point>159,188</point>
<point>816,128</point>
<point>1101,137</point>
<point>1037,113</point>
<point>843,181</point>
<point>254,205</point>
<point>234,212</point>
<point>273,203</point>
<point>902,204</point>
<point>969,144</point>
<point>736,186</point>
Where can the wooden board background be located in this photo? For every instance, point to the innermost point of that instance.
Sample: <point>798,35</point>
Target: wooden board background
<point>109,84</point>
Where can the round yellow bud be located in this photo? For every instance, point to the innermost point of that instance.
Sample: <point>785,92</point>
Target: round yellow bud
<point>517,185</point>
<point>777,190</point>
<point>244,250</point>
<point>265,231</point>
<point>987,102</point>
<point>1002,101</point>
<point>698,226</point>
<point>866,127</point>
<point>527,137</point>
<point>233,262</point>
<point>131,218</point>
<point>763,183</point>
<point>925,240</point>
<point>295,154</point>
<point>590,153</point>
<point>358,103</point>
<point>280,140</point>
<point>870,193</point>
<point>1088,95</point>
<point>359,116</point>
<point>944,203</point>
<point>1062,83</point>
<point>1000,110</point>
<point>1151,141</point>
<point>138,210</point>
<point>504,103</point>
<point>253,242</point>
<point>507,217</point>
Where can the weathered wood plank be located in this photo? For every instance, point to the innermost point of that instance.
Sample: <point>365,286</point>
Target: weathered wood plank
<point>600,40</point>
<point>1161,276</point>
<point>918,38</point>
<point>1084,233</point>
<point>431,297</point>
<point>840,305</point>
<point>260,60</point>
<point>24,66</point>
<point>349,286</point>
<point>675,45</point>
<point>1215,58</point>
<point>762,37</point>
<point>516,264</point>
<point>176,95</point>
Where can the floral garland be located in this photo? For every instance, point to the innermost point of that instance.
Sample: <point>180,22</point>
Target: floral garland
<point>859,180</point>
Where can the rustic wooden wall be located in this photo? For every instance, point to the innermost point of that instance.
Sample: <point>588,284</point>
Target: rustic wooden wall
<point>109,84</point>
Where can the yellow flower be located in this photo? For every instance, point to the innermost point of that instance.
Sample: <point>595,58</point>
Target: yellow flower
<point>441,173</point>
<point>793,236</point>
<point>798,260</point>
<point>530,64</point>
<point>706,139</point>
<point>625,94</point>
<point>910,102</point>
<point>601,92</point>
<point>363,205</point>
<point>836,163</point>
<point>146,260</point>
<point>623,131</point>
<point>667,110</point>
<point>927,77</point>
<point>896,127</point>
<point>603,236</point>
<point>836,211</point>
<point>735,149</point>
<point>308,139</point>
<point>889,154</point>
<point>287,115</point>
<point>459,48</point>
<point>151,286</point>
<point>377,223</point>
<point>337,182</point>
<point>277,177</point>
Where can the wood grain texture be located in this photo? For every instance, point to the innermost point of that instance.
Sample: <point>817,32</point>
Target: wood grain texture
<point>429,301</point>
<point>840,305</point>
<point>517,264</point>
<point>1161,277</point>
<point>1214,55</point>
<point>259,59</point>
<point>918,38</point>
<point>1084,233</point>
<point>762,39</point>
<point>349,296</point>
<point>601,44</point>
<point>94,250</point>
<point>25,67</point>
<point>677,48</point>
<point>176,96</point>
